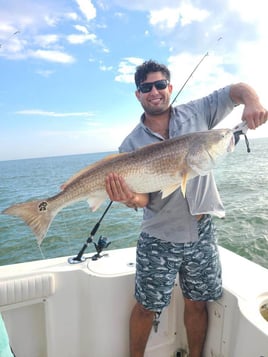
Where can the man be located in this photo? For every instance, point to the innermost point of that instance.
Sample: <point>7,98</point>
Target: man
<point>177,233</point>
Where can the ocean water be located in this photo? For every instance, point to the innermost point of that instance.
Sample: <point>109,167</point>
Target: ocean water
<point>242,179</point>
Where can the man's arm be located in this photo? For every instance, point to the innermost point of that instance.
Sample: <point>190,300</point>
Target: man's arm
<point>254,113</point>
<point>118,191</point>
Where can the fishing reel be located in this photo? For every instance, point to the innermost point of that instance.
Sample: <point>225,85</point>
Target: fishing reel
<point>99,246</point>
<point>102,244</point>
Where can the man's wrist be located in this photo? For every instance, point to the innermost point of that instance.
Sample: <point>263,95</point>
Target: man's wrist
<point>131,203</point>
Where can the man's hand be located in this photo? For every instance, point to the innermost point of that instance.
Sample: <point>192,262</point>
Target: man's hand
<point>119,191</point>
<point>254,115</point>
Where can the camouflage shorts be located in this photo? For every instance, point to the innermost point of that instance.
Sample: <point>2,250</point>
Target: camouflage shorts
<point>197,263</point>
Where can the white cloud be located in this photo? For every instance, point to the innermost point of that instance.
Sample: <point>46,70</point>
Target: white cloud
<point>52,56</point>
<point>45,73</point>
<point>190,13</point>
<point>126,69</point>
<point>81,28</point>
<point>165,18</point>
<point>34,20</point>
<point>249,11</point>
<point>143,5</point>
<point>105,68</point>
<point>81,38</point>
<point>46,40</point>
<point>41,112</point>
<point>72,16</point>
<point>170,17</point>
<point>13,49</point>
<point>252,59</point>
<point>87,8</point>
<point>120,15</point>
<point>51,20</point>
<point>6,29</point>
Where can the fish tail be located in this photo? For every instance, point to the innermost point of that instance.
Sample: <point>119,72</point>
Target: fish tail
<point>38,215</point>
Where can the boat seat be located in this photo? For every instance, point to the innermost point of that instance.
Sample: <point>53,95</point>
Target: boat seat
<point>14,291</point>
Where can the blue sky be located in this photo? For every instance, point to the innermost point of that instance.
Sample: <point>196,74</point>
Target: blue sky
<point>67,65</point>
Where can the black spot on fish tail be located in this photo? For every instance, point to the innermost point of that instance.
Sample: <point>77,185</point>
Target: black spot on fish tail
<point>38,215</point>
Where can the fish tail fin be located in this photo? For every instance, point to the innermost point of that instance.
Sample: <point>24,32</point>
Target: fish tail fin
<point>38,215</point>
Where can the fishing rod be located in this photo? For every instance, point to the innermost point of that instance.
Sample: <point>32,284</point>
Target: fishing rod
<point>13,34</point>
<point>102,242</point>
<point>191,74</point>
<point>188,78</point>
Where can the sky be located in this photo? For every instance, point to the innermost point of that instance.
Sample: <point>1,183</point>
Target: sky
<point>67,66</point>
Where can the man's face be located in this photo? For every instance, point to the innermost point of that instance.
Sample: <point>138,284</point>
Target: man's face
<point>156,101</point>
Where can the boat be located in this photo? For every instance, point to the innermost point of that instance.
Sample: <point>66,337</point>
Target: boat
<point>54,308</point>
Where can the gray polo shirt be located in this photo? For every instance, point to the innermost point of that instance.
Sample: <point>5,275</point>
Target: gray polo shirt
<point>173,218</point>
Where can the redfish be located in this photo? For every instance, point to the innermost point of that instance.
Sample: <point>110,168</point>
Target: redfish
<point>163,166</point>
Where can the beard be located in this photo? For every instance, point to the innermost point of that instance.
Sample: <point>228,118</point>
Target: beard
<point>156,109</point>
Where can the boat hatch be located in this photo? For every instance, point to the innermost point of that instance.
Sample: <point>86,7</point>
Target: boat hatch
<point>114,264</point>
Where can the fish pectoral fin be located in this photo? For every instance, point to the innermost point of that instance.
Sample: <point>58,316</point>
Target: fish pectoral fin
<point>96,201</point>
<point>184,183</point>
<point>169,190</point>
<point>201,164</point>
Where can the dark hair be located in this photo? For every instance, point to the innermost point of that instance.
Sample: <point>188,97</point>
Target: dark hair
<point>148,67</point>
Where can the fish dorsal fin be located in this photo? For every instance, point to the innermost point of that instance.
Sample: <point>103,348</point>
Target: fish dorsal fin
<point>85,169</point>
<point>169,190</point>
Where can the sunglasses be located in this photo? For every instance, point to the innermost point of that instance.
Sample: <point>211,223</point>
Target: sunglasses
<point>147,87</point>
